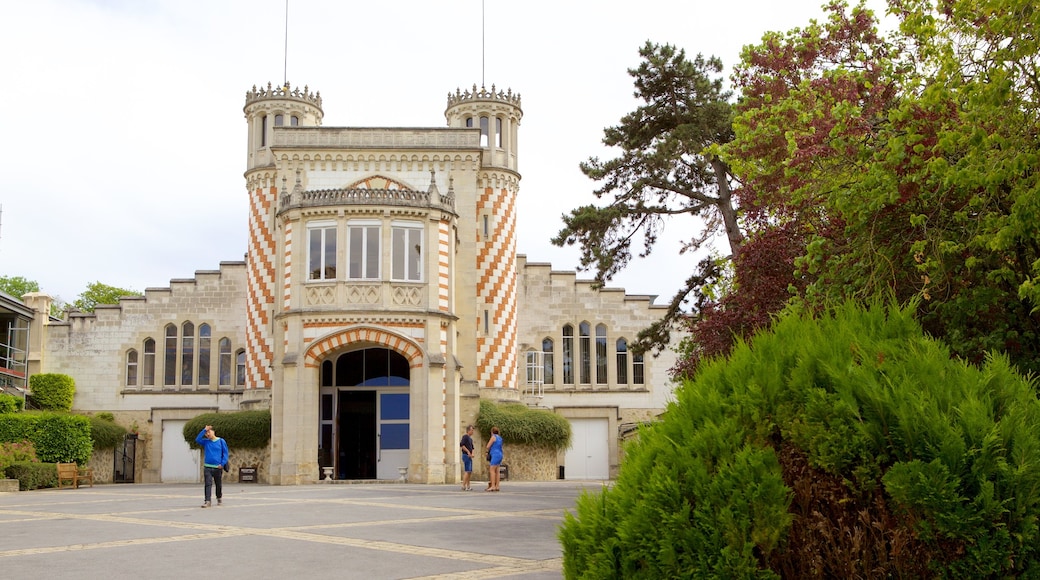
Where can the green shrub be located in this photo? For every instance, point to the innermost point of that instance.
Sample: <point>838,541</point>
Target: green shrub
<point>57,437</point>
<point>33,475</point>
<point>842,445</point>
<point>15,452</point>
<point>521,424</point>
<point>241,429</point>
<point>10,403</point>
<point>106,416</point>
<point>51,391</point>
<point>105,433</point>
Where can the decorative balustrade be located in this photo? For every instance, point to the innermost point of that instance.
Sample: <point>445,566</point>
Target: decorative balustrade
<point>397,197</point>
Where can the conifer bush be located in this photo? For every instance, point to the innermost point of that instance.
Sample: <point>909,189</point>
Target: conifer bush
<point>523,425</point>
<point>845,444</point>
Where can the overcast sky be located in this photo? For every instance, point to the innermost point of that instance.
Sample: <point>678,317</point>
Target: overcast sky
<point>122,140</point>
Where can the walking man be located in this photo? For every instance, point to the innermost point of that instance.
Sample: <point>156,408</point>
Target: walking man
<point>466,445</point>
<point>214,459</point>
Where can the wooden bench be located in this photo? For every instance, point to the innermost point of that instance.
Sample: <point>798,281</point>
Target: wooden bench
<point>74,474</point>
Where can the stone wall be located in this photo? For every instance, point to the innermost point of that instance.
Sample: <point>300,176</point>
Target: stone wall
<point>526,463</point>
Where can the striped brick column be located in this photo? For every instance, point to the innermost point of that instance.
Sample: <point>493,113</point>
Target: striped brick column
<point>496,291</point>
<point>260,288</point>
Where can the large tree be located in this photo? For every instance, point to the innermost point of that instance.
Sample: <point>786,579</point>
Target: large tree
<point>18,286</point>
<point>98,293</point>
<point>910,160</point>
<point>666,168</point>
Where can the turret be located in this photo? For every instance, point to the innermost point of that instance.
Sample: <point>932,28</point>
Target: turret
<point>496,114</point>
<point>277,107</point>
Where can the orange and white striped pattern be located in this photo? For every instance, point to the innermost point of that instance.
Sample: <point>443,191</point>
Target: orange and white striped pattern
<point>260,272</point>
<point>496,289</point>
<point>368,335</point>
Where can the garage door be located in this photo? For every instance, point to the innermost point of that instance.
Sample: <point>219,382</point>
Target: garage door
<point>588,456</point>
<point>180,464</point>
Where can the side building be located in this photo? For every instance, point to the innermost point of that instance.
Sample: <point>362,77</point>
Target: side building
<point>381,298</point>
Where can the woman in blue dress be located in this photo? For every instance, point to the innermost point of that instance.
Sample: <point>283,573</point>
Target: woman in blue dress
<point>494,448</point>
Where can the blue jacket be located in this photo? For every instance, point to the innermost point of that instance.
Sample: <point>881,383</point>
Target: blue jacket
<point>215,451</point>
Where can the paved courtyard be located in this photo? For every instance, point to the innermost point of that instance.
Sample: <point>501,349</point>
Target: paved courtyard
<point>389,530</point>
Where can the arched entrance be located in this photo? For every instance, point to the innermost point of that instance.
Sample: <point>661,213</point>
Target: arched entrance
<point>364,413</point>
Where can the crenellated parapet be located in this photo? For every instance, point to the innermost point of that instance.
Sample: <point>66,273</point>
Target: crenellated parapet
<point>483,94</point>
<point>283,92</point>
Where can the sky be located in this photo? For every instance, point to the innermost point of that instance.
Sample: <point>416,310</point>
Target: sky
<point>122,138</point>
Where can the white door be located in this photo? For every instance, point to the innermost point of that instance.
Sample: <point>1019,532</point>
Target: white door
<point>588,456</point>
<point>180,463</point>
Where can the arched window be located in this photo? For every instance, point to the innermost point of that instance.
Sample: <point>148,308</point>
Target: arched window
<point>148,364</point>
<point>187,353</point>
<point>170,356</point>
<point>484,131</point>
<point>547,361</point>
<point>585,345</point>
<point>622,361</point>
<point>294,121</point>
<point>240,368</point>
<point>131,367</point>
<point>204,354</point>
<point>568,354</point>
<point>375,367</point>
<point>601,354</point>
<point>224,371</point>
<point>498,132</point>
<point>279,120</point>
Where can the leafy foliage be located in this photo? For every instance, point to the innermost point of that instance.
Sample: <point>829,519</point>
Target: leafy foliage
<point>98,293</point>
<point>845,444</point>
<point>241,429</point>
<point>33,475</point>
<point>18,286</point>
<point>666,168</point>
<point>521,424</point>
<point>105,433</point>
<point>12,452</point>
<point>10,403</point>
<point>57,437</point>
<point>908,160</point>
<point>51,391</point>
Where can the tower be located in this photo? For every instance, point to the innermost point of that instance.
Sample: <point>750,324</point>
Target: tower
<point>271,114</point>
<point>497,115</point>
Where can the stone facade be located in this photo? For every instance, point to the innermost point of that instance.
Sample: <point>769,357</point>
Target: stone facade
<point>381,298</point>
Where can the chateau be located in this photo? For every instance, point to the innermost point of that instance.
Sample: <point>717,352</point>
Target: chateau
<point>381,298</point>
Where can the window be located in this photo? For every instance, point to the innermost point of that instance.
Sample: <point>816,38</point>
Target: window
<point>148,372</point>
<point>240,368</point>
<point>364,250</point>
<point>469,122</point>
<point>622,361</point>
<point>498,132</point>
<point>188,354</point>
<point>585,344</point>
<point>225,362</point>
<point>321,250</point>
<point>483,131</point>
<point>263,131</point>
<point>131,367</point>
<point>637,369</point>
<point>487,226</point>
<point>294,121</point>
<point>568,354</point>
<point>170,357</point>
<point>279,120</point>
<point>601,354</point>
<point>407,251</point>
<point>547,360</point>
<point>204,343</point>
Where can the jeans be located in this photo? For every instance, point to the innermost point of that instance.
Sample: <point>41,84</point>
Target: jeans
<point>214,475</point>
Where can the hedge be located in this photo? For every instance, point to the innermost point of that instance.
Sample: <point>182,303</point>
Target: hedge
<point>51,391</point>
<point>57,437</point>
<point>241,429</point>
<point>521,424</point>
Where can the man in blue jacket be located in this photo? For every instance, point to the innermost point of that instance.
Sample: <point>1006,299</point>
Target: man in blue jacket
<point>214,458</point>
